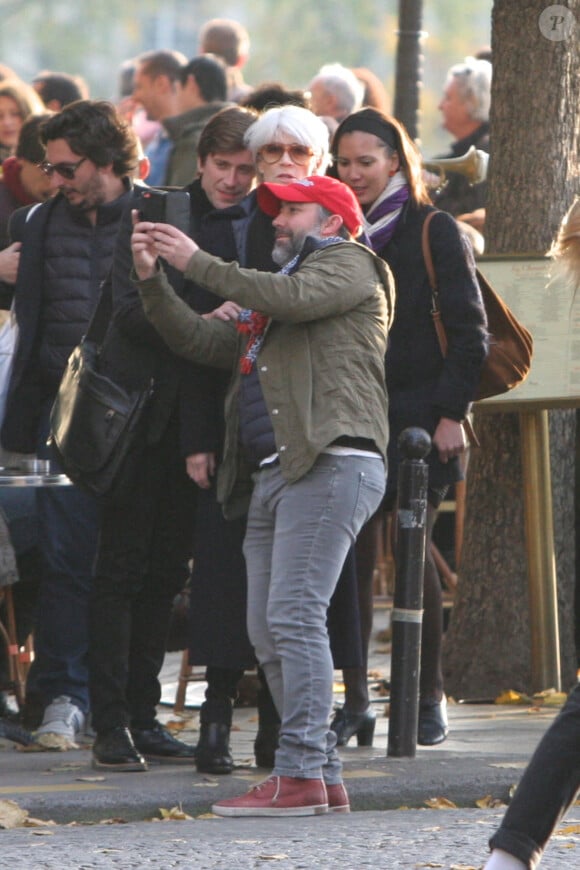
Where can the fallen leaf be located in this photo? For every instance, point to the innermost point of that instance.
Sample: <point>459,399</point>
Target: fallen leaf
<point>204,816</point>
<point>38,823</point>
<point>511,697</point>
<point>114,821</point>
<point>440,803</point>
<point>206,783</point>
<point>489,803</point>
<point>465,867</point>
<point>42,832</point>
<point>280,857</point>
<point>430,864</point>
<point>175,814</point>
<point>90,779</point>
<point>569,829</point>
<point>11,815</point>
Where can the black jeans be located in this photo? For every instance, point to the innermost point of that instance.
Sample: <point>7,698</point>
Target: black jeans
<point>546,790</point>
<point>144,548</point>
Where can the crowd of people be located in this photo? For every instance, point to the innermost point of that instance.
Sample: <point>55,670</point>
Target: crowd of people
<point>288,340</point>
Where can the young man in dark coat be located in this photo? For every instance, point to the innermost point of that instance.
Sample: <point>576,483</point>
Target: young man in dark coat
<point>67,249</point>
<point>146,537</point>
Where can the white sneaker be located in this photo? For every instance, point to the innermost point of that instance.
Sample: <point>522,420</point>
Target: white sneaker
<point>62,718</point>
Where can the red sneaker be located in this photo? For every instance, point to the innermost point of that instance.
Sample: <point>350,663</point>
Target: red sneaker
<point>338,801</point>
<point>278,796</point>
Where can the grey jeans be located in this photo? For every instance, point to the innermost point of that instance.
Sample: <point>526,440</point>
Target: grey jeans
<point>297,538</point>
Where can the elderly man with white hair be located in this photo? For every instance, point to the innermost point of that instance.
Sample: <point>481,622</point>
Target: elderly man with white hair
<point>335,92</point>
<point>465,109</point>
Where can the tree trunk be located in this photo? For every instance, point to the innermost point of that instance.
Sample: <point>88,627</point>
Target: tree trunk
<point>535,139</point>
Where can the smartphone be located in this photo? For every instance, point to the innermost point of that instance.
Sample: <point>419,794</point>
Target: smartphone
<point>166,207</point>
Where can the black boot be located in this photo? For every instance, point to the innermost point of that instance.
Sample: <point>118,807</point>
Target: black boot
<point>212,754</point>
<point>266,742</point>
<point>345,725</point>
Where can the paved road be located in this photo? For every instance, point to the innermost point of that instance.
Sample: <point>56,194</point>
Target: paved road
<point>449,839</point>
<point>485,754</point>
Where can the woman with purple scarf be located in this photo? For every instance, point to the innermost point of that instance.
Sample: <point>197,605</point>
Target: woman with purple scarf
<point>375,157</point>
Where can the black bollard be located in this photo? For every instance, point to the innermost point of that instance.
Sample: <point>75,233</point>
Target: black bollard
<point>407,617</point>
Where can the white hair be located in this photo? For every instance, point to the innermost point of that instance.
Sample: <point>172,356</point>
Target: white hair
<point>301,125</point>
<point>341,82</point>
<point>473,79</point>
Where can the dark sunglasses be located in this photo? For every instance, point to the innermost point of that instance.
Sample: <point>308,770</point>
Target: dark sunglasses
<point>65,170</point>
<point>299,154</point>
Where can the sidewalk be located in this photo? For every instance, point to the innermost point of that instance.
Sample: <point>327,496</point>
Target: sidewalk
<point>485,753</point>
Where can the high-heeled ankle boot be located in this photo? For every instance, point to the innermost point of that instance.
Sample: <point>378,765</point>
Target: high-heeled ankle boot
<point>266,742</point>
<point>212,753</point>
<point>345,725</point>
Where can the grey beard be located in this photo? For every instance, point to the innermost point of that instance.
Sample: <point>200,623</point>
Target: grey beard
<point>284,252</point>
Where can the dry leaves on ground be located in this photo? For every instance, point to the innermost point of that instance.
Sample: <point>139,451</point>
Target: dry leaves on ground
<point>547,698</point>
<point>13,816</point>
<point>175,814</point>
<point>567,831</point>
<point>440,803</point>
<point>489,803</point>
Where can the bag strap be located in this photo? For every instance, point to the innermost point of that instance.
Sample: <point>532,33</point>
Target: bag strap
<point>99,322</point>
<point>435,310</point>
<point>436,313</point>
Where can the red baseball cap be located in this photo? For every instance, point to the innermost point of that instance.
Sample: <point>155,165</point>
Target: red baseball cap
<point>328,192</point>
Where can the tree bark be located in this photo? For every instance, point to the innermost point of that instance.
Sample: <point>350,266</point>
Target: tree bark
<point>535,139</point>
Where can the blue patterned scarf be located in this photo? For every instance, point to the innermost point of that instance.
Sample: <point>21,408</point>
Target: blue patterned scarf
<point>254,324</point>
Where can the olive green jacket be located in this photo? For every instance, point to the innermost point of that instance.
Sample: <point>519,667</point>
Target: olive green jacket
<point>322,363</point>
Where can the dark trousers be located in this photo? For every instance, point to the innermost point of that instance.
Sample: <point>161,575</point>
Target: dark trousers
<point>144,548</point>
<point>546,790</point>
<point>68,521</point>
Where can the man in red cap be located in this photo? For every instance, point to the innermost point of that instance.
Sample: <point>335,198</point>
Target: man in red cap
<point>306,421</point>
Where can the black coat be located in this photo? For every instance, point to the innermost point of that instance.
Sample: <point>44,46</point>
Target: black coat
<point>218,634</point>
<point>133,353</point>
<point>422,386</point>
<point>222,233</point>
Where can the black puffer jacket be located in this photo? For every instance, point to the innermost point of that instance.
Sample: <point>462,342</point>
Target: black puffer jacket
<point>63,262</point>
<point>77,258</point>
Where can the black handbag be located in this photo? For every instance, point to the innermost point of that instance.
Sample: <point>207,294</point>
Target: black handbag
<point>96,425</point>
